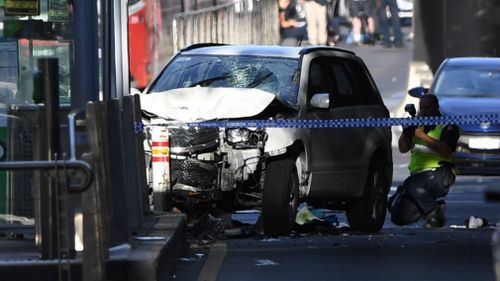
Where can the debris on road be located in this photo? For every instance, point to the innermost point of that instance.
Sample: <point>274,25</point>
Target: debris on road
<point>266,262</point>
<point>310,219</point>
<point>457,226</point>
<point>476,222</point>
<point>206,227</point>
<point>304,215</point>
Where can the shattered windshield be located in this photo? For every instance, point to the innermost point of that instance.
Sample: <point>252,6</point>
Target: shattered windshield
<point>270,74</point>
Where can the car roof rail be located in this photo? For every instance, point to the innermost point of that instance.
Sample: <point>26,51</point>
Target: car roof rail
<point>310,49</point>
<point>201,45</point>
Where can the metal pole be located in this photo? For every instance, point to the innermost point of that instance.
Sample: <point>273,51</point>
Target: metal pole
<point>107,33</point>
<point>85,85</point>
<point>49,69</point>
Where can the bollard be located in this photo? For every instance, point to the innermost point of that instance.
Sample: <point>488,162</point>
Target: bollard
<point>160,151</point>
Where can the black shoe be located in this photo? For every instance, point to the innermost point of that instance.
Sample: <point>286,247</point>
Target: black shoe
<point>393,198</point>
<point>436,217</point>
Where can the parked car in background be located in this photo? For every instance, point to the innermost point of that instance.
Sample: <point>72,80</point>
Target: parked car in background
<point>471,86</point>
<point>273,168</point>
<point>405,11</point>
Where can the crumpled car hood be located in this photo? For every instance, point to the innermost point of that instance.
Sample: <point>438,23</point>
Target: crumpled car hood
<point>204,103</point>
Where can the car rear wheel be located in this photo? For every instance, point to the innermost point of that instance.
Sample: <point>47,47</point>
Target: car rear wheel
<point>280,196</point>
<point>368,213</point>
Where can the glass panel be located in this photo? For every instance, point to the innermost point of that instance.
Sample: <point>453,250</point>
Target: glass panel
<point>23,40</point>
<point>30,51</point>
<point>270,74</point>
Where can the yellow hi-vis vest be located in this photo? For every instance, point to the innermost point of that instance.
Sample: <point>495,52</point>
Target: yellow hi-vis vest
<point>423,158</point>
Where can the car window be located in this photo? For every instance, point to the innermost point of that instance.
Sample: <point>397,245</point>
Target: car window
<point>271,74</point>
<point>468,82</point>
<point>342,81</point>
<point>344,90</point>
<point>334,76</point>
<point>365,90</point>
<point>317,81</point>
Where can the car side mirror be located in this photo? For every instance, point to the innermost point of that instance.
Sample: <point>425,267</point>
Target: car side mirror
<point>321,100</point>
<point>417,92</point>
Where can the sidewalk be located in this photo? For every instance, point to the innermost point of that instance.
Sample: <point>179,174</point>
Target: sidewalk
<point>151,254</point>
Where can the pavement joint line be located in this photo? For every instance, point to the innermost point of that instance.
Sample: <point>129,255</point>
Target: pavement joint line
<point>214,262</point>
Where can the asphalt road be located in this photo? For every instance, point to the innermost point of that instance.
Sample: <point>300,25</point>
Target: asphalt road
<point>396,253</point>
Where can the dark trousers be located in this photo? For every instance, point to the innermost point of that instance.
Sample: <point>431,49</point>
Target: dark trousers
<point>420,194</point>
<point>395,22</point>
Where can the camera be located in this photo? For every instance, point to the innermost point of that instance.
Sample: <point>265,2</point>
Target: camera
<point>409,131</point>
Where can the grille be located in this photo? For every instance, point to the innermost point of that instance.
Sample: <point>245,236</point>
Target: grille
<point>188,137</point>
<point>194,172</point>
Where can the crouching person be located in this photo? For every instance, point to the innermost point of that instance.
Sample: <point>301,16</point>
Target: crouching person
<point>431,170</point>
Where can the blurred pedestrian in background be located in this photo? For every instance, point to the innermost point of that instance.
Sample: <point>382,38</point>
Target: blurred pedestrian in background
<point>316,21</point>
<point>363,23</point>
<point>333,22</point>
<point>392,6</point>
<point>292,19</point>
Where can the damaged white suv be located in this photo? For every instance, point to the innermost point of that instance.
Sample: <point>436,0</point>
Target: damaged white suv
<point>273,168</point>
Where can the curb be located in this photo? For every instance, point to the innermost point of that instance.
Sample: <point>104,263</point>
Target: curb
<point>156,259</point>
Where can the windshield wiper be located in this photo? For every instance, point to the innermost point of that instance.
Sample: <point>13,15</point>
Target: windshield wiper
<point>258,81</point>
<point>208,81</point>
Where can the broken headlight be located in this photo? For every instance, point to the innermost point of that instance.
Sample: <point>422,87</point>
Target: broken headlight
<point>246,138</point>
<point>238,135</point>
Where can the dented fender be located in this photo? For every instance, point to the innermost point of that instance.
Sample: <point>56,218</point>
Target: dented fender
<point>278,139</point>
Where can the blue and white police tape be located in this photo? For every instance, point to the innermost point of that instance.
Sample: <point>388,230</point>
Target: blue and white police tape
<point>335,123</point>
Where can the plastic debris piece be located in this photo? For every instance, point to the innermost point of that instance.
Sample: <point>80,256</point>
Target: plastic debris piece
<point>150,238</point>
<point>458,226</point>
<point>271,240</point>
<point>248,212</point>
<point>266,262</point>
<point>304,215</point>
<point>342,225</point>
<point>238,231</point>
<point>476,222</point>
<point>332,219</point>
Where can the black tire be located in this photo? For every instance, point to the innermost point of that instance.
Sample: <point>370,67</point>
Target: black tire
<point>280,197</point>
<point>368,213</point>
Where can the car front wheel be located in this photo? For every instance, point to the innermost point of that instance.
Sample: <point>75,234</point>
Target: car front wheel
<point>368,213</point>
<point>280,196</point>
